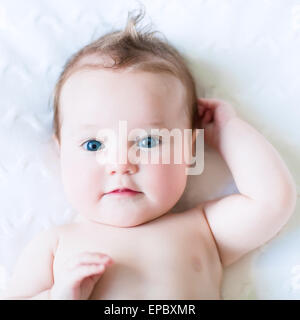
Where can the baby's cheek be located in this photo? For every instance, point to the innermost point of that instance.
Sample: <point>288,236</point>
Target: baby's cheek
<point>167,182</point>
<point>82,181</point>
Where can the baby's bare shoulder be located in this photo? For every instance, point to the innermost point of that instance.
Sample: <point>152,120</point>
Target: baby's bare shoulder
<point>195,212</point>
<point>196,217</point>
<point>50,236</point>
<point>193,216</point>
<point>55,232</point>
<point>45,239</point>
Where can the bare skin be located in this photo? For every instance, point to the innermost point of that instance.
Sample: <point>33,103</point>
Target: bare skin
<point>171,255</point>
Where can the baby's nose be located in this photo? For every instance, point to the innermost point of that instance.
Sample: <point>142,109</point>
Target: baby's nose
<point>117,160</point>
<point>120,168</point>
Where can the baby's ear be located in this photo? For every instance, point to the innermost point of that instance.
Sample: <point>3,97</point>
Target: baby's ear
<point>194,141</point>
<point>192,146</point>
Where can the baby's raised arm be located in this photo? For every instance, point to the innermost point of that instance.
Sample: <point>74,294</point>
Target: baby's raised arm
<point>33,276</point>
<point>242,222</point>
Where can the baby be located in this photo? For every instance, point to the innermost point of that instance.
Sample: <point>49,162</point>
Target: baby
<point>127,243</point>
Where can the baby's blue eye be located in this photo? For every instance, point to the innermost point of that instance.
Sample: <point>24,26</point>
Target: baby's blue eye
<point>92,145</point>
<point>149,142</point>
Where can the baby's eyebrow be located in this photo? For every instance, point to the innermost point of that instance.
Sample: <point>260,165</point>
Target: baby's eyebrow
<point>155,123</point>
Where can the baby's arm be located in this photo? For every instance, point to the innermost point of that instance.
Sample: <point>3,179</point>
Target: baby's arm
<point>242,222</point>
<point>33,276</point>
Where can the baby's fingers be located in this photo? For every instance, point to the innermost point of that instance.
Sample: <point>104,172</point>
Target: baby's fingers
<point>84,271</point>
<point>208,116</point>
<point>89,258</point>
<point>210,103</point>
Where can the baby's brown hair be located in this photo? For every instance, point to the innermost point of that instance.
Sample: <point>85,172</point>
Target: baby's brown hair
<point>132,50</point>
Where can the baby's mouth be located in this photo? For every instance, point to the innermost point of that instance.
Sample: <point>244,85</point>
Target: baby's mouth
<point>122,192</point>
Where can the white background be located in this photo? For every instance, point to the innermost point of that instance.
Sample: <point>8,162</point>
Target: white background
<point>245,52</point>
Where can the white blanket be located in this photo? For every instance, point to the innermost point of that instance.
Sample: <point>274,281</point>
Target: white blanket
<point>245,52</point>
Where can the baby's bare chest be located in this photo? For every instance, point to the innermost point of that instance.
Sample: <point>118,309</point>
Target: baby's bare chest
<point>162,257</point>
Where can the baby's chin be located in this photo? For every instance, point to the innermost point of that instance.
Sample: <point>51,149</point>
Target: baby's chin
<point>120,218</point>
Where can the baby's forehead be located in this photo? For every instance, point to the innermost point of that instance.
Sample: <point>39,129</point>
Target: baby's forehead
<point>120,95</point>
<point>161,81</point>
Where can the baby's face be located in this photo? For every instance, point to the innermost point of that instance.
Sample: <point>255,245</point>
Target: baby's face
<point>93,100</point>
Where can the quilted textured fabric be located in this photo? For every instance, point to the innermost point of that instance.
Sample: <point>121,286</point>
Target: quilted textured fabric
<point>245,52</point>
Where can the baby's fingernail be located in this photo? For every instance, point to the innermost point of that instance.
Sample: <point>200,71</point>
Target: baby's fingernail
<point>108,259</point>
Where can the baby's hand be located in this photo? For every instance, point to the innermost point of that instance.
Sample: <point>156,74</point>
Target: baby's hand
<point>77,281</point>
<point>214,114</point>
